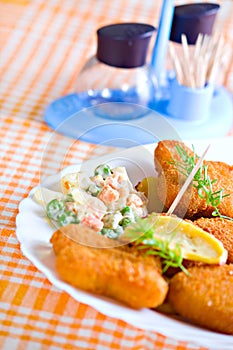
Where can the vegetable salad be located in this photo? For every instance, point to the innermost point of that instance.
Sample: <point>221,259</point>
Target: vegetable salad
<point>107,201</point>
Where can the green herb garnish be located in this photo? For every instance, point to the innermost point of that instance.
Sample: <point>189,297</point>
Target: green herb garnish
<point>142,234</point>
<point>201,180</point>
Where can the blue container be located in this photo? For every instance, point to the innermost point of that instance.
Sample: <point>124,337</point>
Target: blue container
<point>192,104</point>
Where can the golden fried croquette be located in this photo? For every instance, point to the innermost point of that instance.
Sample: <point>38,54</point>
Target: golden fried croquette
<point>171,271</point>
<point>170,181</point>
<point>205,296</point>
<point>122,273</point>
<point>222,229</point>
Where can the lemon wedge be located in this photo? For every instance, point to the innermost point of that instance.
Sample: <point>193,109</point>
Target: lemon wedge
<point>195,243</point>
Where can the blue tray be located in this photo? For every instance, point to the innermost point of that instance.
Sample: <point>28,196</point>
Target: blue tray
<point>75,116</point>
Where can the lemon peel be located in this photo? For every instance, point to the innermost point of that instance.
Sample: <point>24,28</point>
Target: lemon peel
<point>195,243</point>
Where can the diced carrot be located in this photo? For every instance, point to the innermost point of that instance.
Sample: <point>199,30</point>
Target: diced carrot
<point>67,185</point>
<point>96,212</point>
<point>91,221</point>
<point>108,194</point>
<point>114,180</point>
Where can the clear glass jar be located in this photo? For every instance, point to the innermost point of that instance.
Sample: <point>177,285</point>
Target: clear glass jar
<point>118,73</point>
<point>99,83</point>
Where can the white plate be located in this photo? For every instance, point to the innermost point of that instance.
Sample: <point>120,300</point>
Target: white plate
<point>36,247</point>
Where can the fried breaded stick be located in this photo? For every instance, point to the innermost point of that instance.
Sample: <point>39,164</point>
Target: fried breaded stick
<point>170,181</point>
<point>205,296</point>
<point>221,229</point>
<point>121,272</point>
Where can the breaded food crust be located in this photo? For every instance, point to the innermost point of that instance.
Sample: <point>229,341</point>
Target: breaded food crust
<point>222,229</point>
<point>205,296</point>
<point>170,181</point>
<point>121,273</point>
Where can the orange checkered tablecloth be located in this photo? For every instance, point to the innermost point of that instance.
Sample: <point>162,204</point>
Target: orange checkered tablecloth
<point>44,44</point>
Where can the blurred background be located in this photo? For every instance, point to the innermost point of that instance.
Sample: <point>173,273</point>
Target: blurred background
<point>44,45</point>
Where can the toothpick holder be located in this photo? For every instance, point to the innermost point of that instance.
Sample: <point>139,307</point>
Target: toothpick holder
<point>191,104</point>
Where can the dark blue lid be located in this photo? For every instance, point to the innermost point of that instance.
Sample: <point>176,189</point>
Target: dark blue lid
<point>124,45</point>
<point>192,19</point>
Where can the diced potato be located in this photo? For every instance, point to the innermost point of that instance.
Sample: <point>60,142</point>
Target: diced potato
<point>148,186</point>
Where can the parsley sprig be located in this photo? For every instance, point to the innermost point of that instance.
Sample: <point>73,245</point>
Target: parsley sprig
<point>143,235</point>
<point>201,180</point>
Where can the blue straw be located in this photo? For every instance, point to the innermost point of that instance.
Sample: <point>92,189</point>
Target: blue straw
<point>162,38</point>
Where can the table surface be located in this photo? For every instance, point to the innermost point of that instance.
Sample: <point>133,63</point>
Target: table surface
<point>44,44</point>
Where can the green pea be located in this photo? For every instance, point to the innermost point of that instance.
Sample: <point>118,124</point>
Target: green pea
<point>119,230</point>
<point>108,232</point>
<point>55,208</point>
<point>125,222</point>
<point>126,210</point>
<point>66,219</point>
<point>103,169</point>
<point>94,190</point>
